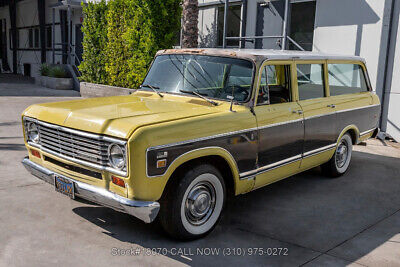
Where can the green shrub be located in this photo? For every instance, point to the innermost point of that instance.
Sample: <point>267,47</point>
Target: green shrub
<point>58,72</point>
<point>121,38</point>
<point>94,42</point>
<point>44,69</point>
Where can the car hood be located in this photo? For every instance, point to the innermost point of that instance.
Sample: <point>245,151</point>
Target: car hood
<point>117,116</point>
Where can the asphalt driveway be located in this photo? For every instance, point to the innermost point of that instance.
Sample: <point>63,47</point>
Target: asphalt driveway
<point>305,220</point>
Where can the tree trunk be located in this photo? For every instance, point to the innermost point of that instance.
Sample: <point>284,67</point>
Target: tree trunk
<point>190,30</point>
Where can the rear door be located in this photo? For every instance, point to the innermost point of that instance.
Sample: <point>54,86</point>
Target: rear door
<point>320,121</point>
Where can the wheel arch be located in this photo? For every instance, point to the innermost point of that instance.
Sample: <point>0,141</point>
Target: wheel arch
<point>353,131</point>
<point>215,156</point>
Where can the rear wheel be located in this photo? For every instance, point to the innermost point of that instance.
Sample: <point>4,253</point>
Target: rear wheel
<point>340,161</point>
<point>193,204</point>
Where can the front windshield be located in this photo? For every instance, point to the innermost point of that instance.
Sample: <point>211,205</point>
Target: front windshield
<point>209,76</point>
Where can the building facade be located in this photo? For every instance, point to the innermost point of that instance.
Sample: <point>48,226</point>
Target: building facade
<point>33,32</point>
<point>367,28</point>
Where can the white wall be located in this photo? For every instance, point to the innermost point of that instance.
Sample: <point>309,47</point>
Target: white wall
<point>208,26</point>
<point>352,27</point>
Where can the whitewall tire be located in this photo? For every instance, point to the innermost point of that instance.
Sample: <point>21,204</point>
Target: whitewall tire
<point>193,204</point>
<point>340,161</point>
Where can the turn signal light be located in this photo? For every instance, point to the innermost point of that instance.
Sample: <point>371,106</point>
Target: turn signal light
<point>118,181</point>
<point>35,153</point>
<point>162,163</point>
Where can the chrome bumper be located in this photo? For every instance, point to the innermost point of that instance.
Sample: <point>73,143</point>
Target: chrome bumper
<point>144,210</point>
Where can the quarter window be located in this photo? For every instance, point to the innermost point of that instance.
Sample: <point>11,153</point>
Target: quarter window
<point>310,78</point>
<point>346,79</point>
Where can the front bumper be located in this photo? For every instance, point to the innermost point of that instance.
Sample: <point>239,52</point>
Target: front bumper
<point>144,210</point>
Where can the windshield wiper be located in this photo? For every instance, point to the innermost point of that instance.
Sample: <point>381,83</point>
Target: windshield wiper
<point>154,88</point>
<point>199,95</point>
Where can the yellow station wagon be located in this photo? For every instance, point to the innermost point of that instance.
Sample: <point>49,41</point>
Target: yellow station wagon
<point>205,124</point>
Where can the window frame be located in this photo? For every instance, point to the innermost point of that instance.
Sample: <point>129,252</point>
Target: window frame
<point>217,7</point>
<point>350,62</point>
<point>325,77</point>
<point>257,87</point>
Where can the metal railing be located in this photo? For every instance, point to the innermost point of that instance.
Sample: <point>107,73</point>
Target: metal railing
<point>280,38</point>
<point>283,39</point>
<point>72,57</point>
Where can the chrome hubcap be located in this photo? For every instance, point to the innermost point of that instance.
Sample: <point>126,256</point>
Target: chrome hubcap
<point>200,203</point>
<point>341,154</point>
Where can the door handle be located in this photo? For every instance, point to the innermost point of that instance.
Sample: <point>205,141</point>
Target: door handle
<point>331,106</point>
<point>298,111</point>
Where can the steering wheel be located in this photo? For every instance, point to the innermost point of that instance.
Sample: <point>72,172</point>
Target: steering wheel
<point>237,90</point>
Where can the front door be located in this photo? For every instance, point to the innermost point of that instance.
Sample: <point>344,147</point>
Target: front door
<point>319,113</point>
<point>280,125</point>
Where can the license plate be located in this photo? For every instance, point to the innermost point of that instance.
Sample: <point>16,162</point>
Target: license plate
<point>64,186</point>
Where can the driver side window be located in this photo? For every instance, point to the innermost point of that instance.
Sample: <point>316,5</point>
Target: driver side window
<point>275,85</point>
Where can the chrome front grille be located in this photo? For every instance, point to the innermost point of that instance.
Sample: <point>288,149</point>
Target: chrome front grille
<point>81,147</point>
<point>73,145</point>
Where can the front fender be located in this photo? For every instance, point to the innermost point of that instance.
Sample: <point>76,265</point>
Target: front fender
<point>204,152</point>
<point>153,187</point>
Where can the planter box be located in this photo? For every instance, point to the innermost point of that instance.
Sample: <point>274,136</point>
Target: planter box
<point>55,83</point>
<point>59,83</point>
<point>99,90</point>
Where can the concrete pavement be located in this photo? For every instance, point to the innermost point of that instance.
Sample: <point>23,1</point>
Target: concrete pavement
<point>317,221</point>
<point>17,85</point>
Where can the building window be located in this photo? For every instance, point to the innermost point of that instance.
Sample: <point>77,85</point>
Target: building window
<point>30,38</point>
<point>233,24</point>
<point>37,37</point>
<point>33,36</point>
<point>49,37</point>
<point>302,25</point>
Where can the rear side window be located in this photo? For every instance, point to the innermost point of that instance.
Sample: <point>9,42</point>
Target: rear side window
<point>310,78</point>
<point>346,79</point>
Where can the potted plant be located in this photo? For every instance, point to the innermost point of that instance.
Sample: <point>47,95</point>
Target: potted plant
<point>44,72</point>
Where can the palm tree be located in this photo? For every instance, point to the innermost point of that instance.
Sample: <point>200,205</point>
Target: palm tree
<point>190,30</point>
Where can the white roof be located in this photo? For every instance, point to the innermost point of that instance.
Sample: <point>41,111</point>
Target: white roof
<point>262,54</point>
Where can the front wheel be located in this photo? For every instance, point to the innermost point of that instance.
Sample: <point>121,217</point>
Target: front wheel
<point>193,204</point>
<point>340,161</point>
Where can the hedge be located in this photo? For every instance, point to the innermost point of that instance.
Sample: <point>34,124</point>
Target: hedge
<point>121,38</point>
<point>94,29</point>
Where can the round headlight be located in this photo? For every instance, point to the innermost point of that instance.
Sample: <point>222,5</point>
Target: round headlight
<point>116,156</point>
<point>33,133</point>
